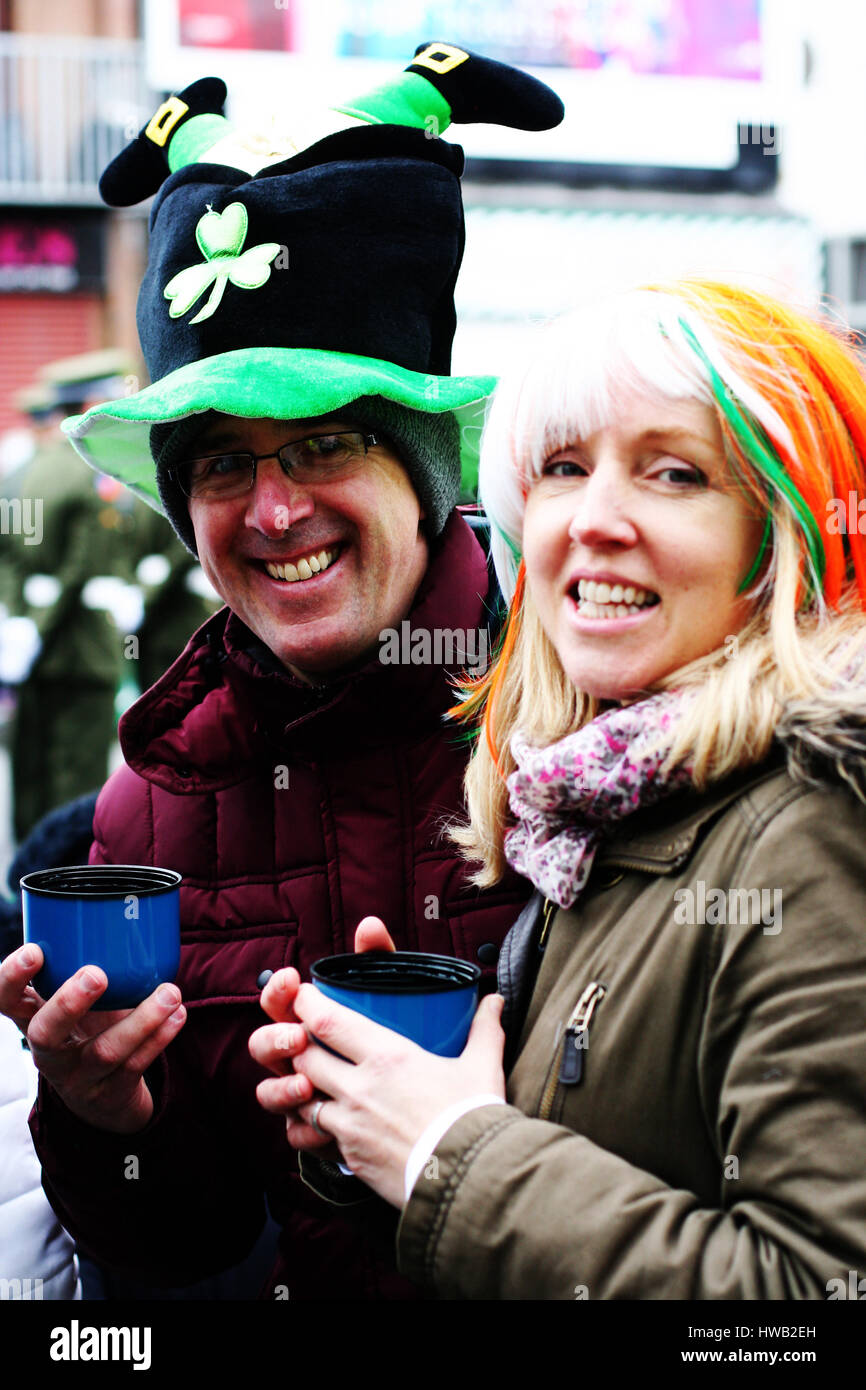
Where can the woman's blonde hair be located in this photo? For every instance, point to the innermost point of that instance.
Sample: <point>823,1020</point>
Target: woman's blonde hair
<point>790,398</point>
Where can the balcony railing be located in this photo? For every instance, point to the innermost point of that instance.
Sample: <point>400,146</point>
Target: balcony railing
<point>67,106</point>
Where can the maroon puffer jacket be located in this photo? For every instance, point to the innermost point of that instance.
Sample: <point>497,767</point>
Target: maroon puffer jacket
<point>291,812</point>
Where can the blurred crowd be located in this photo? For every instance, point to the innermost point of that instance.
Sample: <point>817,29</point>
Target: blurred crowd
<point>97,596</point>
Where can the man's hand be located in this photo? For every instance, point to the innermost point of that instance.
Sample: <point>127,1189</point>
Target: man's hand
<point>94,1061</point>
<point>275,1045</point>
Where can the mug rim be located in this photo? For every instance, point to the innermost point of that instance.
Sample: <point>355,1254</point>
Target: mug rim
<point>43,882</point>
<point>419,959</point>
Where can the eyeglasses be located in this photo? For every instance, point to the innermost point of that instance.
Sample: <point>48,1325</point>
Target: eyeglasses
<point>321,458</point>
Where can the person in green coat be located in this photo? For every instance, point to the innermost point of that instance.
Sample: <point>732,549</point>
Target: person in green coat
<point>177,598</point>
<point>113,595</point>
<point>64,723</point>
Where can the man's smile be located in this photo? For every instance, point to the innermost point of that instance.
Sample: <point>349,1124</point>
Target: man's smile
<point>306,566</point>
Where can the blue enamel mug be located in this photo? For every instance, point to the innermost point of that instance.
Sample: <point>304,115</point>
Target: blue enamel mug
<point>430,999</point>
<point>125,918</point>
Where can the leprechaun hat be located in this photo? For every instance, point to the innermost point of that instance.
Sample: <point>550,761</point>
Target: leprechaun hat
<point>287,287</point>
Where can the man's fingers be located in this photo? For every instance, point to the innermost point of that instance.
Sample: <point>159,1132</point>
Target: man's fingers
<point>274,1045</point>
<point>125,1039</point>
<point>29,1004</point>
<point>55,1023</point>
<point>147,1053</point>
<point>24,963</point>
<point>280,1094</point>
<point>119,1042</point>
<point>278,996</point>
<point>18,1000</point>
<point>371,934</point>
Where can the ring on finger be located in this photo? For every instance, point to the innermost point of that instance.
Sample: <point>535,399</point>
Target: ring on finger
<point>314,1119</point>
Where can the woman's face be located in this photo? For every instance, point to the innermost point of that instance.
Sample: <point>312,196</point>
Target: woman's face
<point>636,540</point>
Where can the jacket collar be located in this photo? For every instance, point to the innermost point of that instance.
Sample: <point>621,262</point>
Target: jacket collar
<point>662,838</point>
<point>818,741</point>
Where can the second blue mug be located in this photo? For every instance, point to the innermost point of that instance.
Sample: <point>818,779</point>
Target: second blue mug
<point>125,918</point>
<point>430,999</point>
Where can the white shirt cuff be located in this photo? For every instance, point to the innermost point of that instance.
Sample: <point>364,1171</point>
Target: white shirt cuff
<point>423,1147</point>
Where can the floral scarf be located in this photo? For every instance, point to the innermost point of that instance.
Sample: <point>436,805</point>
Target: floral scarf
<point>567,796</point>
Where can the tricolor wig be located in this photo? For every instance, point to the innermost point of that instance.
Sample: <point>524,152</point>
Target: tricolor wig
<point>789,393</point>
<point>790,396</point>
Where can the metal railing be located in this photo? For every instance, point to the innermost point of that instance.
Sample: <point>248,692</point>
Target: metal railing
<point>67,106</point>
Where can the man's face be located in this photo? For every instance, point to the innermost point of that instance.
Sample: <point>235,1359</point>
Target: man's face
<point>368,525</point>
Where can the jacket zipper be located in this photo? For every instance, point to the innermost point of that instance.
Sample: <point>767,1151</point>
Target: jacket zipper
<point>569,1072</point>
<point>549,911</point>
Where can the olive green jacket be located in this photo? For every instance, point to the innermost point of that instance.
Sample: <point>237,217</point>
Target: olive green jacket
<point>714,1145</point>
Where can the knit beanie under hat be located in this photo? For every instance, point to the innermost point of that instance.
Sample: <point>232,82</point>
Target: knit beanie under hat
<point>427,445</point>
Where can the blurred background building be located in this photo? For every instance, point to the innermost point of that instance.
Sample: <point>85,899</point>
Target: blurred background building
<point>709,136</point>
<point>72,92</point>
<point>706,135</point>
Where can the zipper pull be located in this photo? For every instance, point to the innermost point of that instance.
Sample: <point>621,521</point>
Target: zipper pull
<point>574,1046</point>
<point>576,1038</point>
<point>549,911</point>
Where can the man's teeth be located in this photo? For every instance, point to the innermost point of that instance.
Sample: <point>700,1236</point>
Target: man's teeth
<point>601,600</point>
<point>304,569</point>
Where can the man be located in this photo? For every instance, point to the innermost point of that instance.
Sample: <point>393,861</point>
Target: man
<point>308,443</point>
<point>65,722</point>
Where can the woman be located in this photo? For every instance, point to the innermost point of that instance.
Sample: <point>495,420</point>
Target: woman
<point>672,749</point>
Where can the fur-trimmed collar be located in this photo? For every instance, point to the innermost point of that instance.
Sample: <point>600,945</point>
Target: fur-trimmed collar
<point>825,741</point>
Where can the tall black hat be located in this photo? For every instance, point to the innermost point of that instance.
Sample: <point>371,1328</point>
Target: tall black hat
<point>286,285</point>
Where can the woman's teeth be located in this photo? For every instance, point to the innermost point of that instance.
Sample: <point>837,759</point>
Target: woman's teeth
<point>601,600</point>
<point>304,569</point>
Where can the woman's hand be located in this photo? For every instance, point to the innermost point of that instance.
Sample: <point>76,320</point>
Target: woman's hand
<point>276,1045</point>
<point>382,1104</point>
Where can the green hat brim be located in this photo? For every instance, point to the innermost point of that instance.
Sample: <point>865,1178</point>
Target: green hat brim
<point>272,384</point>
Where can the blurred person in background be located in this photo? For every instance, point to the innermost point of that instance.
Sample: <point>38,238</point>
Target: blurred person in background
<point>65,719</point>
<point>37,1257</point>
<point>92,568</point>
<point>176,596</point>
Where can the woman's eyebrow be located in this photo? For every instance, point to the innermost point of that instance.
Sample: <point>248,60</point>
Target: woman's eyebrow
<point>674,435</point>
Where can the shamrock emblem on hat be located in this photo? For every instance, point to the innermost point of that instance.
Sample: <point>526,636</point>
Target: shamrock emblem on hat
<point>220,236</point>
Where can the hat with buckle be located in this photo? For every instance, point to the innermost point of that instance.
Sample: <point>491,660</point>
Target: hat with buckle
<point>287,283</point>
